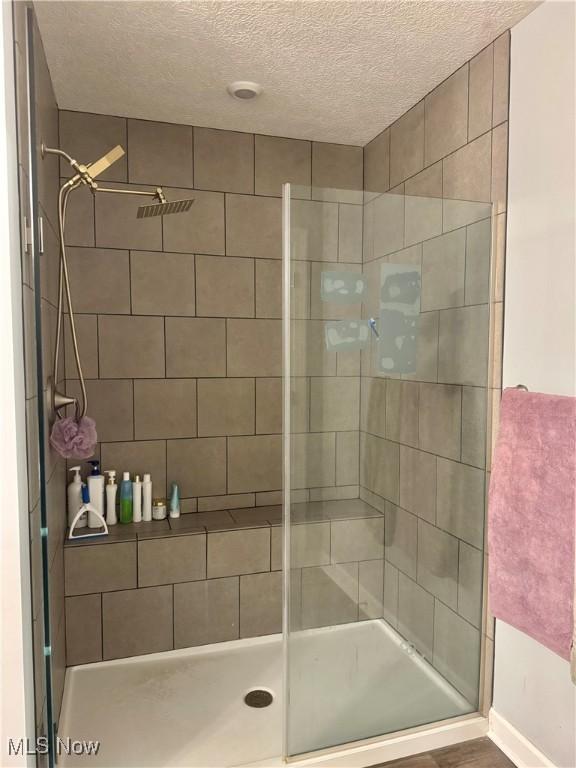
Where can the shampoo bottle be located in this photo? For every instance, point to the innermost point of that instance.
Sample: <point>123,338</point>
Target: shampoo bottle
<point>75,499</point>
<point>175,501</point>
<point>137,499</point>
<point>111,489</point>
<point>96,490</point>
<point>126,499</point>
<point>147,498</point>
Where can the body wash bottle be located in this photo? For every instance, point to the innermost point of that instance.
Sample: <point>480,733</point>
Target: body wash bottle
<point>175,501</point>
<point>75,499</point>
<point>137,499</point>
<point>126,499</point>
<point>111,489</point>
<point>95,483</point>
<point>147,498</point>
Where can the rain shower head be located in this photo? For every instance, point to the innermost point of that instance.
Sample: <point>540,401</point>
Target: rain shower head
<point>163,208</point>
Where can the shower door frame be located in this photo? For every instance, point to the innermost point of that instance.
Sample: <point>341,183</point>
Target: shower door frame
<point>421,738</point>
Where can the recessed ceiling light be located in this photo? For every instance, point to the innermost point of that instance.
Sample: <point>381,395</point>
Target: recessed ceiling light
<point>244,90</point>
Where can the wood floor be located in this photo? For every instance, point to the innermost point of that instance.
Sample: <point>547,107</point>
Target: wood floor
<point>478,753</point>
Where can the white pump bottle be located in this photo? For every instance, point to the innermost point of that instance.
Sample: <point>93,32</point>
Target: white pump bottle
<point>111,489</point>
<point>75,499</point>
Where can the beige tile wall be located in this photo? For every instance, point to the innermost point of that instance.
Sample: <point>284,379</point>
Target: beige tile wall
<point>451,149</point>
<point>180,318</point>
<point>39,293</point>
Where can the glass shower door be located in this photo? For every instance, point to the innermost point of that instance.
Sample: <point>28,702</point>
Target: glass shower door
<point>386,336</point>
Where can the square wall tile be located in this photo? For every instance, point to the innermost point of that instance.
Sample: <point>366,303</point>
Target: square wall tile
<point>402,411</point>
<point>373,405</point>
<point>199,230</point>
<point>232,553</point>
<point>112,422</point>
<point>370,589</point>
<point>440,419</point>
<point>337,166</point>
<point>380,466</point>
<point>444,271</point>
<point>387,231</point>
<point>137,621</point>
<point>224,160</point>
<point>427,183</point>
<point>254,463</point>
<point>401,539</point>
<point>254,347</point>
<point>279,161</point>
<point>314,232</point>
<point>164,408</point>
<point>418,483</point>
<point>310,356</point>
<point>195,347</point>
<point>467,171</point>
<point>225,286</point>
<point>117,225</point>
<point>447,116</point>
<point>478,246</point>
<point>171,559</point>
<point>463,346</point>
<point>87,137</point>
<point>83,629</point>
<point>87,335</point>
<point>377,163</point>
<point>99,568</point>
<point>480,98</point>
<point>138,457</point>
<point>361,539</point>
<point>80,225</point>
<point>131,347</point>
<point>460,501</point>
<point>334,403</point>
<point>268,288</point>
<point>206,612</point>
<point>438,563</point>
<point>313,460</point>
<point>474,404</point>
<point>253,227</point>
<point>329,595</point>
<point>321,308</point>
<point>269,406</point>
<point>347,458</point>
<point>198,466</point>
<point>416,615</point>
<point>160,154</point>
<point>226,407</point>
<point>350,231</point>
<point>423,219</point>
<point>426,348</point>
<point>407,145</point>
<point>309,544</point>
<point>260,604</point>
<point>162,283</point>
<point>470,584</point>
<point>457,652</point>
<point>99,280</point>
<point>501,78</point>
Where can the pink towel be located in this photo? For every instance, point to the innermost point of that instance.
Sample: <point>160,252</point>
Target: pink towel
<point>531,524</point>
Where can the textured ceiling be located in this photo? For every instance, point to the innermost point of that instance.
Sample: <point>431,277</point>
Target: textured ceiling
<point>332,70</point>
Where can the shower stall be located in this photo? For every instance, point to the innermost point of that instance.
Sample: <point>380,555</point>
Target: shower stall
<point>340,617</point>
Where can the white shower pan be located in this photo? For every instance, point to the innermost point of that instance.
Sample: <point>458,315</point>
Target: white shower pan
<point>186,708</point>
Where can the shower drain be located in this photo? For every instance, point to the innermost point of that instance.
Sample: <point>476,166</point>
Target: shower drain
<point>258,697</point>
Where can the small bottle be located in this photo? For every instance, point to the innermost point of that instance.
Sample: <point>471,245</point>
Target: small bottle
<point>111,489</point>
<point>75,499</point>
<point>147,498</point>
<point>137,499</point>
<point>175,501</point>
<point>126,499</point>
<point>159,509</point>
<point>95,483</point>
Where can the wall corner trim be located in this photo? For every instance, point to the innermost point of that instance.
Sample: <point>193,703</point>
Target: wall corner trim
<point>514,745</point>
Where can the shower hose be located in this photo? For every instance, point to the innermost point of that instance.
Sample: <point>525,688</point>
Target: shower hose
<point>64,284</point>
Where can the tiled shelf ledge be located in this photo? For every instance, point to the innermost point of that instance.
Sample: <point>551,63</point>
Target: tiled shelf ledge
<point>230,520</point>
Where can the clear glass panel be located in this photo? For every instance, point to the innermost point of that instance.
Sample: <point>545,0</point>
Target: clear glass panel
<point>386,383</point>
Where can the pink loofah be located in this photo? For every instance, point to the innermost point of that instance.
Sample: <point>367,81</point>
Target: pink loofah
<point>74,440</point>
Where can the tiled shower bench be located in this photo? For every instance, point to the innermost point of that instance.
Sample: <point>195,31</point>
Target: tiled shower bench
<point>214,576</point>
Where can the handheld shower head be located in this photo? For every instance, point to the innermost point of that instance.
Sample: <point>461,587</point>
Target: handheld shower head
<point>163,207</point>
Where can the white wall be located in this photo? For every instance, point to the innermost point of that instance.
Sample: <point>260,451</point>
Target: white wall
<point>532,686</point>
